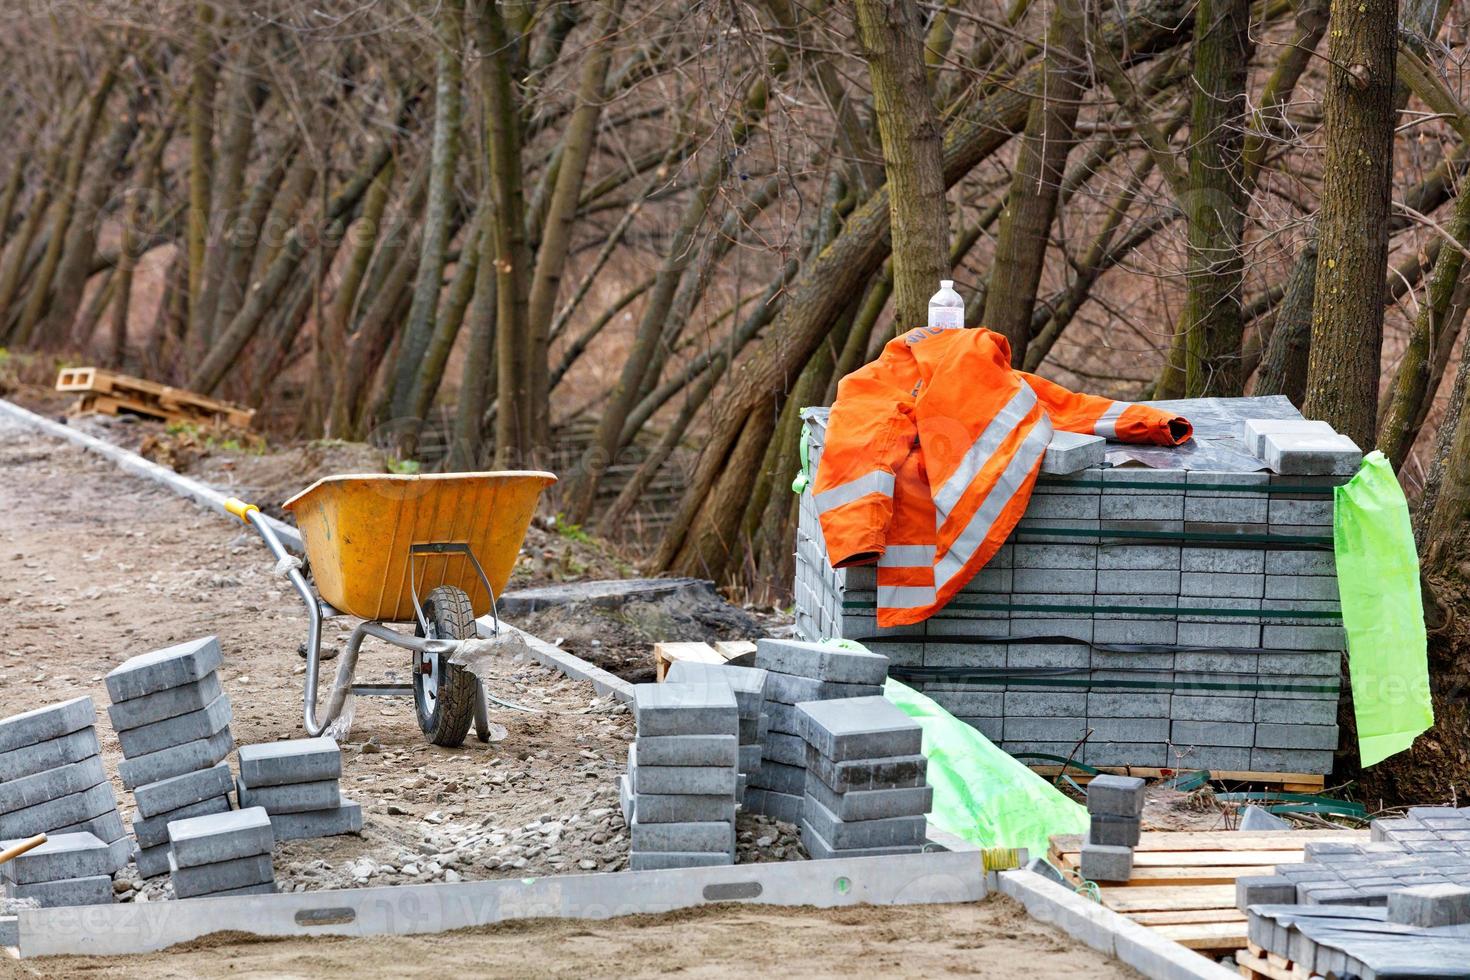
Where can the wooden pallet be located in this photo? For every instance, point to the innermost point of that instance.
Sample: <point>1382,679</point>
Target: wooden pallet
<point>110,393</point>
<point>722,651</point>
<point>1289,782</point>
<point>1183,884</point>
<point>1254,963</point>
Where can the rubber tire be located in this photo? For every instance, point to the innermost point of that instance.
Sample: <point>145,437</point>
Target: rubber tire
<point>451,618</point>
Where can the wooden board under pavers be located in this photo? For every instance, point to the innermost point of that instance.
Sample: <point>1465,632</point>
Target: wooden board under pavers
<point>1288,782</point>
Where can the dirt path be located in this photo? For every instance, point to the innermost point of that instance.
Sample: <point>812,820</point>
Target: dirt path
<point>96,567</point>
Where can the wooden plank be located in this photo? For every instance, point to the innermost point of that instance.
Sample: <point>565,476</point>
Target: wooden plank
<point>1253,966</point>
<point>665,654</point>
<point>1187,915</point>
<point>1204,859</point>
<point>1221,840</point>
<point>1299,782</point>
<point>1167,898</point>
<point>1205,935</point>
<point>1153,877</point>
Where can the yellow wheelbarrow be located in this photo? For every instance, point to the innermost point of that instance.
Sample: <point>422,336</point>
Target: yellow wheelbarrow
<point>432,550</point>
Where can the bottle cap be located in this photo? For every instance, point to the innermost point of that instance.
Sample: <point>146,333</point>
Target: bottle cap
<point>946,284</point>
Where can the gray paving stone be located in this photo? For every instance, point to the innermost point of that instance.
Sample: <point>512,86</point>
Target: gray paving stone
<point>41,757</point>
<point>1115,796</point>
<point>297,760</point>
<point>1099,862</point>
<point>859,728</point>
<point>46,723</point>
<point>62,856</point>
<point>160,670</point>
<point>1123,754</point>
<point>62,811</point>
<point>747,683</point>
<point>66,893</point>
<point>161,705</point>
<point>1045,704</point>
<point>876,804</point>
<point>1213,733</point>
<point>820,849</point>
<point>220,837</point>
<point>786,807</point>
<point>749,731</point>
<point>105,827</point>
<point>1045,729</point>
<point>662,860</point>
<point>1070,452</point>
<point>787,750</point>
<point>681,780</point>
<point>1253,432</point>
<point>346,818</point>
<point>688,750</point>
<point>780,778</point>
<point>685,709</point>
<point>1106,729</point>
<point>659,808</point>
<point>1293,454</point>
<point>1319,562</point>
<point>267,888</point>
<point>1114,831</point>
<point>844,834</point>
<point>1142,704</point>
<point>791,689</point>
<point>1284,736</point>
<point>1290,760</point>
<point>1061,507</point>
<point>1295,711</point>
<point>750,758</point>
<point>688,837</point>
<point>175,760</point>
<point>43,786</point>
<point>819,661</point>
<point>1264,890</point>
<point>1237,561</point>
<point>152,861</point>
<point>202,724</point>
<point>222,876</point>
<point>170,794</point>
<point>1115,582</point>
<point>1430,906</point>
<point>863,774</point>
<point>153,831</point>
<point>292,797</point>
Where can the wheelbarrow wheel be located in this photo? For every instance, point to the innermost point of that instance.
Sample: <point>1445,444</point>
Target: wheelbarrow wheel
<point>444,693</point>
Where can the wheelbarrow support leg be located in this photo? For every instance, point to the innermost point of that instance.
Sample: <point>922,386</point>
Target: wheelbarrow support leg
<point>482,712</point>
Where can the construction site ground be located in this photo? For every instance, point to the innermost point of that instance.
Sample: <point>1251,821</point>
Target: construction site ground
<point>97,566</point>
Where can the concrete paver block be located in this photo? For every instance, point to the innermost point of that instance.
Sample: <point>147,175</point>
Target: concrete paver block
<point>1116,795</point>
<point>43,786</point>
<point>859,728</point>
<point>222,876</point>
<point>345,819</point>
<point>781,778</point>
<point>297,760</point>
<point>323,794</point>
<point>1264,890</point>
<point>92,890</point>
<point>62,856</point>
<point>821,662</point>
<point>29,760</point>
<point>844,834</point>
<point>1100,862</point>
<point>170,794</point>
<point>266,888</point>
<point>701,836</point>
<point>873,804</point>
<point>791,689</point>
<point>786,807</point>
<point>105,827</point>
<point>44,724</point>
<point>152,861</point>
<point>1253,432</point>
<point>652,808</point>
<point>660,860</point>
<point>1111,830</point>
<point>685,709</point>
<point>153,831</point>
<point>175,760</point>
<point>204,723</point>
<point>1308,455</point>
<point>821,849</point>
<point>162,705</point>
<point>160,670</point>
<point>220,837</point>
<point>860,774</point>
<point>1070,452</point>
<point>787,750</point>
<point>45,818</point>
<point>681,780</point>
<point>1427,906</point>
<point>688,750</point>
<point>747,683</point>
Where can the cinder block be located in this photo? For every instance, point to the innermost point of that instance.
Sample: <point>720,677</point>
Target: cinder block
<point>747,683</point>
<point>781,778</point>
<point>787,750</point>
<point>658,808</point>
<point>220,837</point>
<point>778,806</point>
<point>820,849</point>
<point>40,787</point>
<point>843,834</point>
<point>174,666</point>
<point>202,724</point>
<point>152,861</point>
<point>820,661</point>
<point>222,876</point>
<point>1102,863</point>
<point>297,760</point>
<point>167,795</point>
<point>688,750</point>
<point>662,860</point>
<point>344,819</point>
<point>168,703</point>
<point>62,811</point>
<point>681,780</point>
<point>859,728</point>
<point>685,709</point>
<point>691,837</point>
<point>291,798</point>
<point>1253,432</point>
<point>44,724</point>
<point>175,760</point>
<point>877,804</point>
<point>791,689</point>
<point>1264,890</point>
<point>51,754</point>
<point>62,856</point>
<point>867,774</point>
<point>1113,831</point>
<point>153,831</point>
<point>68,892</point>
<point>1293,454</point>
<point>1070,452</point>
<point>1120,796</point>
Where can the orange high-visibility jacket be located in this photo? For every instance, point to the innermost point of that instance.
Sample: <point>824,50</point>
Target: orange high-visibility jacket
<point>930,454</point>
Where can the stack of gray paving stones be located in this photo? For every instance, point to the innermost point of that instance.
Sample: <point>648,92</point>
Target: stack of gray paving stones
<point>798,671</point>
<point>173,721</point>
<point>1115,821</point>
<point>1203,632</point>
<point>222,854</point>
<point>678,795</point>
<point>865,779</point>
<point>297,782</point>
<point>749,687</point>
<point>52,782</point>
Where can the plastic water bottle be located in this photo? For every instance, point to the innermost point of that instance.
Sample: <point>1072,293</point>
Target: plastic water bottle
<point>946,308</point>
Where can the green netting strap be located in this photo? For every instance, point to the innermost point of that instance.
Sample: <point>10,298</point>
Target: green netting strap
<point>1084,679</point>
<point>1323,614</point>
<point>1292,489</point>
<point>1288,542</point>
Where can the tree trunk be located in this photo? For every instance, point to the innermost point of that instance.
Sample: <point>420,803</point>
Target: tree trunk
<point>1283,369</point>
<point>201,136</point>
<point>1352,225</point>
<point>908,126</point>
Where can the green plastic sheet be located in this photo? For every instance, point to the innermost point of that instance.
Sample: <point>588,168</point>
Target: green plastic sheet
<point>1382,612</point>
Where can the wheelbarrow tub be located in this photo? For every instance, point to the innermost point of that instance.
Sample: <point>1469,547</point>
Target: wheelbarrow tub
<point>358,529</point>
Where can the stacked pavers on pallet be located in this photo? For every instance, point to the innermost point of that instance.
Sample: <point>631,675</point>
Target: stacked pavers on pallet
<point>222,854</point>
<point>1115,822</point>
<point>173,721</point>
<point>678,795</point>
<point>797,671</point>
<point>1180,614</point>
<point>749,687</point>
<point>865,779</point>
<point>297,783</point>
<point>52,782</point>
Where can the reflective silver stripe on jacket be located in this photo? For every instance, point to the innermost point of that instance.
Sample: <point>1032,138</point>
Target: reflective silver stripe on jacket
<point>1107,425</point>
<point>1032,448</point>
<point>875,482</point>
<point>1005,422</point>
<point>905,596</point>
<point>907,556</point>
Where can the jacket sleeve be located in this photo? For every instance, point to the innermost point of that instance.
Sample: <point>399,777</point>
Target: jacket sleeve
<point>870,433</point>
<point>1094,415</point>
